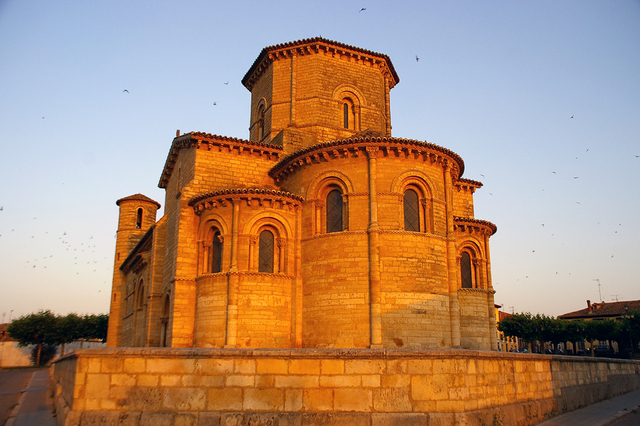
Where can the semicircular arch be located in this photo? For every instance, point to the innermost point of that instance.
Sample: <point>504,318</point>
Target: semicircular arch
<point>326,178</point>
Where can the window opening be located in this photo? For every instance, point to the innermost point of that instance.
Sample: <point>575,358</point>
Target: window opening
<point>465,270</point>
<point>265,252</point>
<point>334,211</point>
<point>411,211</point>
<point>216,252</point>
<point>139,218</point>
<point>260,122</point>
<point>345,110</point>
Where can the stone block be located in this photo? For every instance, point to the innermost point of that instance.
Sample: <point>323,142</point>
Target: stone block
<point>392,400</point>
<point>293,400</point>
<point>123,380</point>
<point>145,399</point>
<point>364,366</point>
<point>147,380</point>
<point>225,399</point>
<point>208,419</point>
<point>214,366</point>
<point>134,365</point>
<point>183,399</point>
<point>340,381</point>
<point>271,366</point>
<point>317,400</point>
<point>129,418</point>
<point>156,419</point>
<point>263,399</point>
<point>289,381</point>
<point>244,366</point>
<point>240,381</point>
<point>346,399</point>
<point>332,366</point>
<point>170,366</point>
<point>99,418</point>
<point>304,366</point>
<point>335,419</point>
<point>404,419</point>
<point>97,386</point>
<point>185,419</point>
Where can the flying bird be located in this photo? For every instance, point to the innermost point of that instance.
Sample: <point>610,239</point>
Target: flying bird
<point>215,103</point>
<point>417,59</point>
<point>571,116</point>
<point>227,83</point>
<point>364,8</point>
<point>125,90</point>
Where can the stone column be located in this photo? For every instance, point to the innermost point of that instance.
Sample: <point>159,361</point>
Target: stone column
<point>296,303</point>
<point>374,254</point>
<point>452,264</point>
<point>232,282</point>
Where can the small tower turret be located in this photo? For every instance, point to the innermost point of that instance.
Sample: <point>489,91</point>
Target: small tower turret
<point>137,215</point>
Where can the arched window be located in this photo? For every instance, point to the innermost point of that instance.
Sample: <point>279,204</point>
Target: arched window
<point>265,252</point>
<point>345,111</point>
<point>260,122</point>
<point>466,270</point>
<point>215,260</point>
<point>411,211</point>
<point>335,211</point>
<point>139,218</point>
<point>348,114</point>
<point>140,304</point>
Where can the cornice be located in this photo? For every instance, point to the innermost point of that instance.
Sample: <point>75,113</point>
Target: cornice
<point>199,140</point>
<point>463,184</point>
<point>223,197</point>
<point>464,224</point>
<point>315,45</point>
<point>356,146</point>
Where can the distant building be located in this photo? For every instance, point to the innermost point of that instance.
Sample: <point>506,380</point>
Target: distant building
<point>603,310</point>
<point>320,231</point>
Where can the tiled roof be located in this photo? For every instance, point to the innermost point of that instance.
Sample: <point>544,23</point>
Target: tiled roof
<point>138,197</point>
<point>604,309</point>
<point>315,41</point>
<point>354,140</point>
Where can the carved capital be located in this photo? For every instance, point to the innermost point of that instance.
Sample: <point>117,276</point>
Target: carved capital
<point>372,151</point>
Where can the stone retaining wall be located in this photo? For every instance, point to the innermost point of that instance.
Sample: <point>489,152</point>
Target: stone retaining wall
<point>224,387</point>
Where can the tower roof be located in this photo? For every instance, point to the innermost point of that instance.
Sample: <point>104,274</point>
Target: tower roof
<point>314,45</point>
<point>138,197</point>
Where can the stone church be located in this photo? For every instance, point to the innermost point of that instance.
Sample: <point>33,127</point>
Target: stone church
<point>319,231</point>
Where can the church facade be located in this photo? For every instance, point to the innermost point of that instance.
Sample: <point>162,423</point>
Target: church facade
<point>319,231</point>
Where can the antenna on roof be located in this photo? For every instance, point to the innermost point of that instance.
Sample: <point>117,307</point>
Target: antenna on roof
<point>599,292</point>
<point>615,296</point>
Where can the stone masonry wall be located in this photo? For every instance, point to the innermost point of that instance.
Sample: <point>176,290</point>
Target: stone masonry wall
<point>200,387</point>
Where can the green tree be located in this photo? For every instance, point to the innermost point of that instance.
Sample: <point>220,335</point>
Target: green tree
<point>70,328</point>
<point>35,329</point>
<point>523,326</point>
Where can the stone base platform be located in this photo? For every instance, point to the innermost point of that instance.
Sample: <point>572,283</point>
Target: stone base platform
<point>304,387</point>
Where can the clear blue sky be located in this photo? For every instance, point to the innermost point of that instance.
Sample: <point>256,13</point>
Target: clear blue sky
<point>497,82</point>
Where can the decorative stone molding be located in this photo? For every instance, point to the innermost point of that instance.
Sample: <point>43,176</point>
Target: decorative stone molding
<point>212,200</point>
<point>382,146</point>
<point>474,226</point>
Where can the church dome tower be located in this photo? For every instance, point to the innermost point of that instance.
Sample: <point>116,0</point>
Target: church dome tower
<point>317,90</point>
